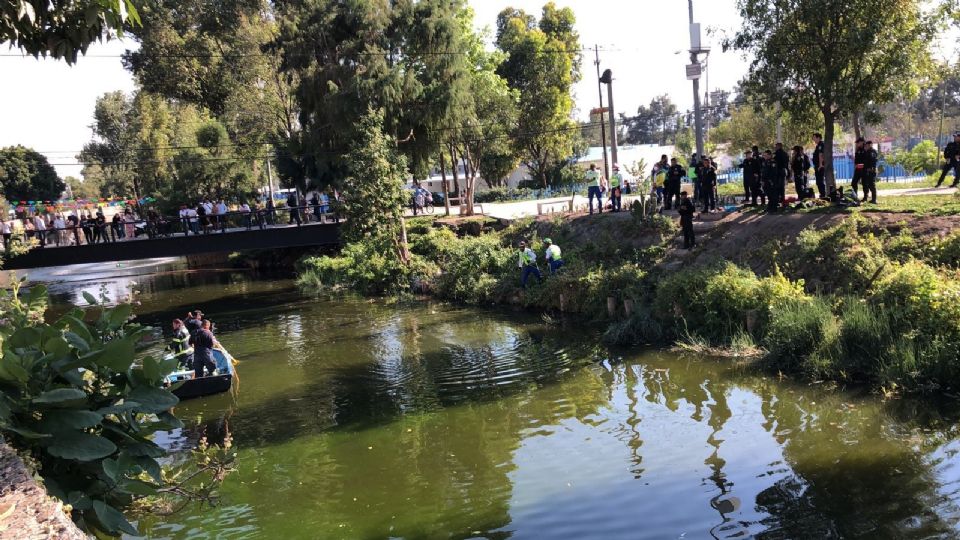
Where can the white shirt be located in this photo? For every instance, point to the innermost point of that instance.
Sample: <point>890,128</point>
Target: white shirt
<point>59,223</point>
<point>5,227</point>
<point>208,207</point>
<point>245,208</point>
<point>184,212</point>
<point>221,208</point>
<point>38,223</point>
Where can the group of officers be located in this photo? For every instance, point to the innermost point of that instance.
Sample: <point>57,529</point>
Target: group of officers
<point>193,343</point>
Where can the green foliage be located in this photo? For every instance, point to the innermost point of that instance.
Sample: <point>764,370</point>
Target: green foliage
<point>472,269</point>
<point>840,259</point>
<point>360,266</point>
<point>945,251</point>
<point>63,29</point>
<point>715,303</point>
<point>377,179</point>
<point>75,397</point>
<point>543,63</point>
<point>26,175</point>
<point>799,335</point>
<point>922,158</point>
<point>920,302</point>
<point>753,124</point>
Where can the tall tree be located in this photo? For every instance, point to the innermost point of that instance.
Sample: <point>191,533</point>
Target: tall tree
<point>838,56</point>
<point>543,62</point>
<point>750,125</point>
<point>63,28</point>
<point>25,174</point>
<point>656,124</point>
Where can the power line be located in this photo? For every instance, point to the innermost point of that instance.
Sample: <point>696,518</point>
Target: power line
<point>282,153</point>
<point>294,55</point>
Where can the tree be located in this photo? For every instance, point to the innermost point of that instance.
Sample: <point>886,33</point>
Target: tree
<point>656,124</point>
<point>63,28</point>
<point>543,62</point>
<point>838,56</point>
<point>82,189</point>
<point>26,175</point>
<point>751,125</point>
<point>922,158</point>
<point>378,175</point>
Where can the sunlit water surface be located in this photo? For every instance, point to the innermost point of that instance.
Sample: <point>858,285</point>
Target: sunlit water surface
<point>359,419</point>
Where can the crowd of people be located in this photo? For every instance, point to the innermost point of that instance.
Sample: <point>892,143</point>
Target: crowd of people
<point>85,226</point>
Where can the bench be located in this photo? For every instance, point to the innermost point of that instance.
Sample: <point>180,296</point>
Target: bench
<point>567,204</point>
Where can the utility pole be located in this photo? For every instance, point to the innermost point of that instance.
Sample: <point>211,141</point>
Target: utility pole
<point>603,129</point>
<point>695,50</point>
<point>269,179</point>
<point>607,79</point>
<point>779,123</point>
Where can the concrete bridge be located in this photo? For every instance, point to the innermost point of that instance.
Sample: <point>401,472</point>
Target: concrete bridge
<point>177,245</point>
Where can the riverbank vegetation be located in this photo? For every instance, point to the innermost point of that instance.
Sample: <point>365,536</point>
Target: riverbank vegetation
<point>858,300</point>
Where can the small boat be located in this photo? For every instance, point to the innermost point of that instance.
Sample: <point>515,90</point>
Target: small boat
<point>192,387</point>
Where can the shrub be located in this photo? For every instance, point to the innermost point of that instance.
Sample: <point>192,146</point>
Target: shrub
<point>471,268</point>
<point>919,301</point>
<point>642,328</point>
<point>433,243</point>
<point>800,334</point>
<point>359,267</point>
<point>944,252</point>
<point>839,259</point>
<point>715,302</point>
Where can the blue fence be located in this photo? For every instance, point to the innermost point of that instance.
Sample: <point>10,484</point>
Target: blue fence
<point>842,170</point>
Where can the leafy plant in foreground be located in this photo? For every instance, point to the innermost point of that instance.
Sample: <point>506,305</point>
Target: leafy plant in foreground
<point>74,398</point>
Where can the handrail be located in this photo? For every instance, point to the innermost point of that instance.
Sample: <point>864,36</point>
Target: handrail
<point>171,226</point>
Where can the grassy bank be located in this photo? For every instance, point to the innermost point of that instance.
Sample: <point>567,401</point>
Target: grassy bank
<point>860,301</point>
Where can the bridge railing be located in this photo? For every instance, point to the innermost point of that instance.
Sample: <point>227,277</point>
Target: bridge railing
<point>88,232</point>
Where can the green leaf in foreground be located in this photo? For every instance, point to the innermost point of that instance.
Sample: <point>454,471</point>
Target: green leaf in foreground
<point>81,446</point>
<point>112,519</point>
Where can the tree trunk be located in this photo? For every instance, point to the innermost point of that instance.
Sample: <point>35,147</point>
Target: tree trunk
<point>857,129</point>
<point>443,183</point>
<point>470,172</point>
<point>830,179</point>
<point>453,165</point>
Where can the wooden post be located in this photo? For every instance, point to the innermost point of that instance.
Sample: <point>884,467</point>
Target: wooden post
<point>563,303</point>
<point>628,307</point>
<point>612,306</point>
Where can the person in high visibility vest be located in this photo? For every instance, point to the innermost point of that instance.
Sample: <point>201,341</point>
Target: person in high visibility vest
<point>554,256</point>
<point>527,262</point>
<point>180,344</point>
<point>594,187</point>
<point>616,187</point>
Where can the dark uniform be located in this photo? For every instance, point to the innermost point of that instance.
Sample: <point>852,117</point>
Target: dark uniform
<point>752,169</point>
<point>203,342</point>
<point>686,210</point>
<point>799,166</point>
<point>708,186</point>
<point>674,179</point>
<point>869,176</point>
<point>782,161</point>
<point>770,177</point>
<point>858,157</point>
<point>952,154</point>
<point>818,171</point>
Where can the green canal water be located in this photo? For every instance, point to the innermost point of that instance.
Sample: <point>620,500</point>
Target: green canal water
<point>359,419</point>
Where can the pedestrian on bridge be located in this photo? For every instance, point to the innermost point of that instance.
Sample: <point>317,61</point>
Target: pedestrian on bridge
<point>294,206</point>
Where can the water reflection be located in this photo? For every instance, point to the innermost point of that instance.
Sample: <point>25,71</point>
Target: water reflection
<point>358,419</point>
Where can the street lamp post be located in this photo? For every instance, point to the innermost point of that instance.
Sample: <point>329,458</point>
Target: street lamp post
<point>607,79</point>
<point>695,50</point>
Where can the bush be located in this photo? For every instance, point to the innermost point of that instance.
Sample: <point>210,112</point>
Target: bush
<point>360,267</point>
<point>471,269</point>
<point>715,302</point>
<point>839,259</point>
<point>944,252</point>
<point>76,399</point>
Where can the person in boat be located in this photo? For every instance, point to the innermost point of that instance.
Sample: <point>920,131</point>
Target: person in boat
<point>194,321</point>
<point>180,345</point>
<point>203,344</point>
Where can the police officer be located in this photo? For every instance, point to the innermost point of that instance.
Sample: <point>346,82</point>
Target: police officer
<point>769,177</point>
<point>818,165</point>
<point>858,157</point>
<point>674,180</point>
<point>686,210</point>
<point>782,161</point>
<point>952,156</point>
<point>870,159</point>
<point>708,184</point>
